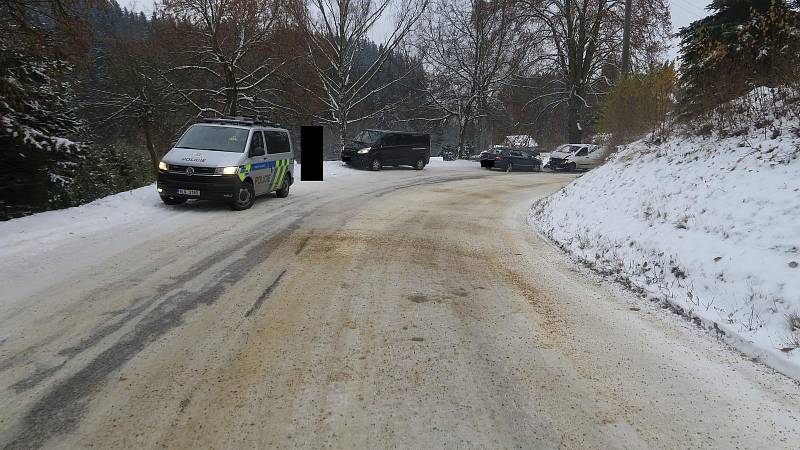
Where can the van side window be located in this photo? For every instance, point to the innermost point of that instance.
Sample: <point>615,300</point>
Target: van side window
<point>583,152</point>
<point>389,140</point>
<point>403,139</point>
<point>257,141</point>
<point>277,142</point>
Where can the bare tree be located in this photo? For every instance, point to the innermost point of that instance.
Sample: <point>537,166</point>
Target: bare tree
<point>335,30</point>
<point>470,48</point>
<point>135,96</point>
<point>582,42</point>
<point>228,42</point>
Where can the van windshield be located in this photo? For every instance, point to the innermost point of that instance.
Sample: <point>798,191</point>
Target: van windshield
<point>219,139</point>
<point>566,148</point>
<point>368,137</point>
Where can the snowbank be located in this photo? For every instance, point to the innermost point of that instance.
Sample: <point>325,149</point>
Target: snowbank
<point>710,225</point>
<point>44,229</point>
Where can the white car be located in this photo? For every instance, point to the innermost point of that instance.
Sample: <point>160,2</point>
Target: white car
<point>232,160</point>
<point>576,157</point>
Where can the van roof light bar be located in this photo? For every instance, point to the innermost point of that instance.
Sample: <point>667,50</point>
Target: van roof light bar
<point>242,120</point>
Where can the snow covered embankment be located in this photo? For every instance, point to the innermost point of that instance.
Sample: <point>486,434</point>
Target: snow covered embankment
<point>711,225</point>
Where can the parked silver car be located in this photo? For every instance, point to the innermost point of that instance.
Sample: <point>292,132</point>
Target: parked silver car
<point>576,157</point>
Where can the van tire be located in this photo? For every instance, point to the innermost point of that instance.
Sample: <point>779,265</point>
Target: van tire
<point>245,198</point>
<point>572,167</point>
<point>283,192</point>
<point>509,167</point>
<point>375,165</point>
<point>172,200</point>
<point>419,165</point>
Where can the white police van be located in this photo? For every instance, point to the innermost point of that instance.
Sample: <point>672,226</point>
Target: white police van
<point>232,159</point>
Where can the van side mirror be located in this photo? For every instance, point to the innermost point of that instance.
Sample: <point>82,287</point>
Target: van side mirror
<point>258,151</point>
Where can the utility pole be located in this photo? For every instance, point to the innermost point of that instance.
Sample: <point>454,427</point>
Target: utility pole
<point>626,40</point>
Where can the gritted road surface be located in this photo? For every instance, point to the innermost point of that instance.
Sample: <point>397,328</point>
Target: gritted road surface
<point>393,309</point>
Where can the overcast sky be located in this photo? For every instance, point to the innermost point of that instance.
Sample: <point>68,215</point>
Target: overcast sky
<point>684,12</point>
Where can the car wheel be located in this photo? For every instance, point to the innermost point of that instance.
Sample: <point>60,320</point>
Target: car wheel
<point>283,192</point>
<point>244,198</point>
<point>420,164</point>
<point>509,167</point>
<point>172,200</point>
<point>375,165</point>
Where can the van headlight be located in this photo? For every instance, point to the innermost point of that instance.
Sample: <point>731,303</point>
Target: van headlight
<point>226,170</point>
<point>163,166</point>
<point>364,151</point>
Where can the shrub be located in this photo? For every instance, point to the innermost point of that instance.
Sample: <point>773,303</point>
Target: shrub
<point>638,104</point>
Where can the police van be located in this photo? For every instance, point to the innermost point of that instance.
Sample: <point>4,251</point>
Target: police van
<point>231,159</point>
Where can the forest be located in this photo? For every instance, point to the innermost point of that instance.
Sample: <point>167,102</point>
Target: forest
<point>92,94</point>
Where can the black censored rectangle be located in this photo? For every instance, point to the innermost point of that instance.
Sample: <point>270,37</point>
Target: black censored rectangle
<point>311,153</point>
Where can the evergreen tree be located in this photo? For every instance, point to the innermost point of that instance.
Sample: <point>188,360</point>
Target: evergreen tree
<point>744,43</point>
<point>38,161</point>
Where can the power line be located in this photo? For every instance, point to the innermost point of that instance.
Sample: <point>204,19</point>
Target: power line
<point>696,14</point>
<point>698,9</point>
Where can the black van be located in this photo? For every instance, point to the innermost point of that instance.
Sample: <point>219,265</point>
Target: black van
<point>377,148</point>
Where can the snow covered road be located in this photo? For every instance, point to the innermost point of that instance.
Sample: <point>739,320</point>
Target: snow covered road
<point>390,309</point>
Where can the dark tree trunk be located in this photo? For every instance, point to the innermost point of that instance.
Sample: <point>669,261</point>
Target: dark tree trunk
<point>148,138</point>
<point>574,125</point>
<point>462,131</point>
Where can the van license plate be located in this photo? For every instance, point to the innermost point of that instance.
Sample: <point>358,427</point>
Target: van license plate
<point>189,192</point>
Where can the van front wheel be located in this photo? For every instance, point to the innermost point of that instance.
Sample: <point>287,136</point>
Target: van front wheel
<point>420,164</point>
<point>376,164</point>
<point>245,197</point>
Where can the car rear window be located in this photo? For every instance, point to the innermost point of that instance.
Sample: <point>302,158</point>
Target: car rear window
<point>216,138</point>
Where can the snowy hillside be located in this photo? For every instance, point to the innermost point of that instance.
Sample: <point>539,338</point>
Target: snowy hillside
<point>708,224</point>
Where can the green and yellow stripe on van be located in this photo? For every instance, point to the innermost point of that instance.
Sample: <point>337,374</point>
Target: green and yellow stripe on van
<point>279,173</point>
